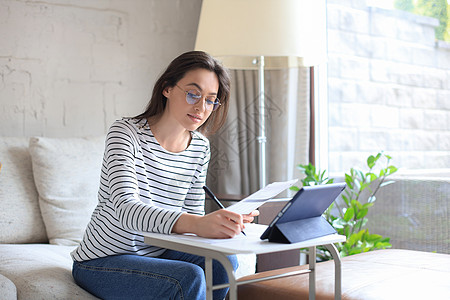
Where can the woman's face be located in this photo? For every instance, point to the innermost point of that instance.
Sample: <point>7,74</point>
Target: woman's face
<point>191,116</point>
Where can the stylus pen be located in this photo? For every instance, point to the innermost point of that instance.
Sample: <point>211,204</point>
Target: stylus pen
<point>213,197</point>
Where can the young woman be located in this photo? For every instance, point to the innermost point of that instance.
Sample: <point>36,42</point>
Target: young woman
<point>152,179</point>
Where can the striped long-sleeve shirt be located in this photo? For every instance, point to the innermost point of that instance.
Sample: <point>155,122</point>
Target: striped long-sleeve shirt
<point>143,187</point>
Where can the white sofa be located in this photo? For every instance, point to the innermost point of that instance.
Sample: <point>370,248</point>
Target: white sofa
<point>48,189</point>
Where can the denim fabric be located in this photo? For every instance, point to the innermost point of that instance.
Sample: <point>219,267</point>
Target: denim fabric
<point>173,275</point>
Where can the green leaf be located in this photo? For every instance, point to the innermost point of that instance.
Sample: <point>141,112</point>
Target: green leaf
<point>346,200</point>
<point>294,188</point>
<point>322,175</point>
<point>391,170</point>
<point>349,181</point>
<point>371,177</point>
<point>367,205</point>
<point>382,245</point>
<point>374,237</point>
<point>349,214</point>
<point>371,161</point>
<point>362,213</point>
<point>353,239</point>
<point>356,205</point>
<point>363,186</point>
<point>354,251</point>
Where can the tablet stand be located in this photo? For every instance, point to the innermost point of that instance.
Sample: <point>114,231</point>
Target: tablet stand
<point>300,230</point>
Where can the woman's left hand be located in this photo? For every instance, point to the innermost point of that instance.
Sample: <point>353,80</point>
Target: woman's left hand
<point>248,218</point>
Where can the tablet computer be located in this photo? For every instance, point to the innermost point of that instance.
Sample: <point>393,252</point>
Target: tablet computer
<point>301,218</point>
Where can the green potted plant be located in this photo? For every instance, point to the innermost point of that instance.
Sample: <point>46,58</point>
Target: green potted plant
<point>348,214</point>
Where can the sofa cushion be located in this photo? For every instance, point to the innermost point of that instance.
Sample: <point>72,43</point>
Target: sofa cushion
<point>7,288</point>
<point>40,271</point>
<point>43,271</point>
<point>20,216</point>
<point>67,175</point>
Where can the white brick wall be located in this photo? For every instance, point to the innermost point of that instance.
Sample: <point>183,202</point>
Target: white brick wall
<point>70,68</point>
<point>389,88</point>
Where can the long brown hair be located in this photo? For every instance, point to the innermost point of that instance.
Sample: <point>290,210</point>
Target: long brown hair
<point>175,72</point>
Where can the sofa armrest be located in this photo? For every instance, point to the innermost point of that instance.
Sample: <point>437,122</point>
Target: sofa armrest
<point>7,288</point>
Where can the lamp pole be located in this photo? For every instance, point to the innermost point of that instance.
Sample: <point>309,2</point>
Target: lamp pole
<point>262,125</point>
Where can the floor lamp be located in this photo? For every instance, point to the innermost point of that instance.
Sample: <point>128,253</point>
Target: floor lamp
<point>263,35</point>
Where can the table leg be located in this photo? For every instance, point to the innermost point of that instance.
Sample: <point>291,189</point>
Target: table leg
<point>312,274</point>
<point>209,277</point>
<point>223,259</point>
<point>337,271</point>
<point>232,293</point>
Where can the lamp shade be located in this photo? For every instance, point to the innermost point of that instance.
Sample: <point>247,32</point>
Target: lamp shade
<point>288,33</point>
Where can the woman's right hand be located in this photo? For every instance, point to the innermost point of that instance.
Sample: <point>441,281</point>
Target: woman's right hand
<point>218,224</point>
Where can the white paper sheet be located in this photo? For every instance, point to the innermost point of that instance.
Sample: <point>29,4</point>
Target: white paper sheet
<point>255,200</point>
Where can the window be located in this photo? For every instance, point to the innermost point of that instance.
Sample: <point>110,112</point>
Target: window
<point>388,87</point>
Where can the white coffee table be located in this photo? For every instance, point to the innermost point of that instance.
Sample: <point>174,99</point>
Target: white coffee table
<point>219,249</point>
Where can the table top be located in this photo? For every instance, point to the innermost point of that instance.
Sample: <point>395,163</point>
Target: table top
<point>238,245</point>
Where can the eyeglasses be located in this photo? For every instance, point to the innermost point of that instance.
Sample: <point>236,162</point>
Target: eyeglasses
<point>194,96</point>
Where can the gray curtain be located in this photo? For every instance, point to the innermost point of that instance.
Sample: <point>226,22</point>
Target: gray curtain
<point>234,166</point>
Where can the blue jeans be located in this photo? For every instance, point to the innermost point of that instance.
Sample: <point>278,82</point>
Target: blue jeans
<point>172,275</point>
